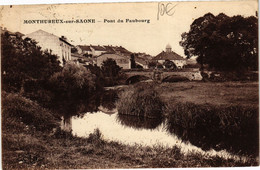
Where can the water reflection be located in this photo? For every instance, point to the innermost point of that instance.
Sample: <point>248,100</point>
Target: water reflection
<point>207,139</point>
<point>67,109</point>
<point>73,107</point>
<point>139,122</point>
<point>108,100</point>
<point>106,110</point>
<point>113,130</point>
<point>197,137</point>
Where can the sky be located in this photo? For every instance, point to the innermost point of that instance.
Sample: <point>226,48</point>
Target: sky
<point>150,38</point>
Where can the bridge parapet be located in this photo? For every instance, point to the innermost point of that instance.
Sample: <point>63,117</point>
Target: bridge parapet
<point>160,75</point>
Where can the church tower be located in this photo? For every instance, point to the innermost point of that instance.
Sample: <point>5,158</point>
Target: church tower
<point>168,48</point>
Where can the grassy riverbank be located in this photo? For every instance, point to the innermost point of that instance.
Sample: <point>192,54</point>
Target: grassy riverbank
<point>232,127</point>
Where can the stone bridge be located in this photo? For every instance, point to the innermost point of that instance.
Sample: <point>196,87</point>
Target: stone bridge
<point>133,76</point>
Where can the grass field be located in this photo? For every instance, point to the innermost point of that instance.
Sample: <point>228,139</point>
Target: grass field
<point>215,93</point>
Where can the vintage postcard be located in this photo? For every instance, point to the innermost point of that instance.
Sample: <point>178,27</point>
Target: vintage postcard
<point>130,85</point>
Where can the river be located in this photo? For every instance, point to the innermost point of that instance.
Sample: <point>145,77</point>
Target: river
<point>112,128</point>
<point>132,130</point>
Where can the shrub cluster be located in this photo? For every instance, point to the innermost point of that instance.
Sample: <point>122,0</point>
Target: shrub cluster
<point>73,81</point>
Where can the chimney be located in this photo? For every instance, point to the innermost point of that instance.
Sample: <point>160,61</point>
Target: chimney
<point>63,37</point>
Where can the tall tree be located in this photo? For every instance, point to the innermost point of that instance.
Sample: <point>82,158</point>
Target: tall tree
<point>224,43</point>
<point>23,60</point>
<point>110,70</point>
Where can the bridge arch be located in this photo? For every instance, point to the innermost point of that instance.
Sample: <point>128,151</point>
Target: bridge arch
<point>136,78</point>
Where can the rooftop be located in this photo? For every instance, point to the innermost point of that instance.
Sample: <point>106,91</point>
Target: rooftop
<point>85,47</point>
<point>47,33</point>
<point>168,56</point>
<point>98,48</point>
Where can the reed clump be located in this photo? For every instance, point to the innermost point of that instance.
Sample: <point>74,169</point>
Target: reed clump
<point>140,100</point>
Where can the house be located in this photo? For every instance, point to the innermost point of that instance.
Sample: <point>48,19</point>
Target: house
<point>81,60</point>
<point>83,49</point>
<point>170,55</point>
<point>91,50</point>
<point>121,61</point>
<point>97,50</point>
<point>54,44</point>
<point>122,51</point>
<point>110,48</point>
<point>139,57</point>
<point>142,59</point>
<point>141,62</point>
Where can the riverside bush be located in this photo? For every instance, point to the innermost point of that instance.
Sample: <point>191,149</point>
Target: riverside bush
<point>73,81</point>
<point>140,100</point>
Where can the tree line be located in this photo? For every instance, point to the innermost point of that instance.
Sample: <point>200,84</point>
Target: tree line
<point>38,75</point>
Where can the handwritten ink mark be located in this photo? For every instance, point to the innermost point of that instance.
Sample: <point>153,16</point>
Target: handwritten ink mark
<point>167,9</point>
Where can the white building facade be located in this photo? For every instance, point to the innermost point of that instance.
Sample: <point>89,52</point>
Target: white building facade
<point>53,44</point>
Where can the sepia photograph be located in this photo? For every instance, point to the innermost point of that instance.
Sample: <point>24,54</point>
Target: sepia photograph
<point>130,85</point>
